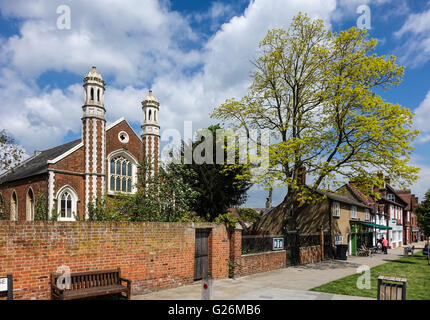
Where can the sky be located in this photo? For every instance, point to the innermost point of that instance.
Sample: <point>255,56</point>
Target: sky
<point>193,54</point>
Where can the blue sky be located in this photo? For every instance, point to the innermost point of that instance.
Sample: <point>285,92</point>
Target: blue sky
<point>192,54</point>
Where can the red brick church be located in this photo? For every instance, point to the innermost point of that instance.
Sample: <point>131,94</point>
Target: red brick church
<point>103,161</point>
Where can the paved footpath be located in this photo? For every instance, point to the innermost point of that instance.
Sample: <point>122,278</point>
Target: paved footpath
<point>290,283</point>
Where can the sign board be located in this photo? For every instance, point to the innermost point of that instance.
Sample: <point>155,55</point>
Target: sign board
<point>3,284</point>
<point>278,244</point>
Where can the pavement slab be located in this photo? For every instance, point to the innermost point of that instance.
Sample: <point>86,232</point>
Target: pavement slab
<point>292,283</point>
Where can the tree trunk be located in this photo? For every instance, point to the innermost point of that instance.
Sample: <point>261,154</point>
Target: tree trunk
<point>428,249</point>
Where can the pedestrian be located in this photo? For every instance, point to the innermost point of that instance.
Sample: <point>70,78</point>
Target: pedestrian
<point>384,245</point>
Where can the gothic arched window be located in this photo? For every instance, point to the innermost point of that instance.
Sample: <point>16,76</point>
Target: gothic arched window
<point>121,174</point>
<point>14,207</point>
<point>149,117</point>
<point>1,206</point>
<point>67,204</point>
<point>30,205</point>
<point>92,94</point>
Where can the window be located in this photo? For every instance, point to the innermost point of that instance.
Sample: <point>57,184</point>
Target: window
<point>367,215</point>
<point>336,209</point>
<point>92,94</point>
<point>149,116</point>
<point>121,175</point>
<point>66,204</point>
<point>354,212</point>
<point>98,94</point>
<point>30,205</point>
<point>1,206</point>
<point>14,207</point>
<point>338,239</point>
<point>391,197</point>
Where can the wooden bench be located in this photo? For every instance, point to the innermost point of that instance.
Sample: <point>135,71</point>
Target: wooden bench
<point>91,284</point>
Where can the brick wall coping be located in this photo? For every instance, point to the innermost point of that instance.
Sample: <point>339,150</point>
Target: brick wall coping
<point>113,223</point>
<point>261,253</point>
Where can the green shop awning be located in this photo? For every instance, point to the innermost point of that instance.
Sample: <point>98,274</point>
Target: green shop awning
<point>379,226</point>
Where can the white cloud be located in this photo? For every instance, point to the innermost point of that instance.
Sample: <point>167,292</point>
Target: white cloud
<point>422,185</point>
<point>136,47</point>
<point>422,119</point>
<point>416,48</point>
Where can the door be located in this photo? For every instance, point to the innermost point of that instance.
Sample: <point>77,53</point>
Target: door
<point>201,260</point>
<point>292,248</point>
<point>354,244</point>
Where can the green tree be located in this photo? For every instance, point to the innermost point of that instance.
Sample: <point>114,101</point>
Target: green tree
<point>162,195</point>
<point>218,185</point>
<point>248,214</point>
<point>10,153</point>
<point>40,208</point>
<point>423,215</point>
<point>318,93</point>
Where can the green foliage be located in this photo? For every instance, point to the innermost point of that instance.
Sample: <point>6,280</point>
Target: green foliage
<point>99,211</point>
<point>40,207</point>
<point>162,196</point>
<point>318,93</point>
<point>248,214</point>
<point>191,216</point>
<point>230,269</point>
<point>219,186</point>
<point>228,219</point>
<point>54,215</point>
<point>423,214</point>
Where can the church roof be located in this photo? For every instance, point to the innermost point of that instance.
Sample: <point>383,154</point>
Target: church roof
<point>37,164</point>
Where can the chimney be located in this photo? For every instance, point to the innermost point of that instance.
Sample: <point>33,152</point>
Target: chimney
<point>269,199</point>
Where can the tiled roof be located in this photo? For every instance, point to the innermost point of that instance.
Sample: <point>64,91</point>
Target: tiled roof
<point>37,164</point>
<point>341,198</point>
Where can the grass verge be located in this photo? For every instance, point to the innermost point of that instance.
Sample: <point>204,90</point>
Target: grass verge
<point>415,268</point>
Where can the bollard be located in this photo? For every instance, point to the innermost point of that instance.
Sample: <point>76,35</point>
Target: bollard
<point>207,289</point>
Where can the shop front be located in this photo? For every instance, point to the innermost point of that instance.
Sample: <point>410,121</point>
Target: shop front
<point>365,233</point>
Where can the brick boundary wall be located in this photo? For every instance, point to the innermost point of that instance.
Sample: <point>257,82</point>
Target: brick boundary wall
<point>153,255</point>
<point>262,262</point>
<point>310,254</point>
<point>253,263</point>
